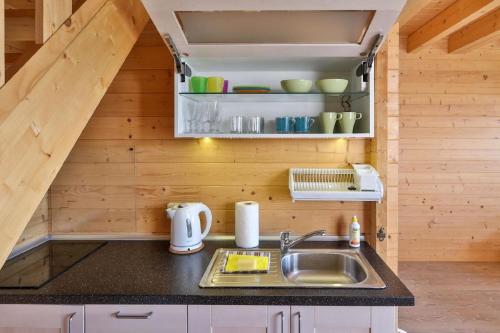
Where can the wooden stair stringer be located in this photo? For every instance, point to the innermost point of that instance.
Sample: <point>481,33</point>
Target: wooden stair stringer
<point>47,103</point>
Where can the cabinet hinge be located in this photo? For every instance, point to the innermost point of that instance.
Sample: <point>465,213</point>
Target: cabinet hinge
<point>365,66</point>
<point>181,67</point>
<point>381,234</point>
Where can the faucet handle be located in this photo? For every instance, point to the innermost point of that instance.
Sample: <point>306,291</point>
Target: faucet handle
<point>285,235</point>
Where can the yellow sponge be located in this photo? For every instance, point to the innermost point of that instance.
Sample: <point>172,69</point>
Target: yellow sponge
<point>246,263</point>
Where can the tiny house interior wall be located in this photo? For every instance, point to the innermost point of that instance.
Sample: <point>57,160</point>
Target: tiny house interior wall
<point>127,165</point>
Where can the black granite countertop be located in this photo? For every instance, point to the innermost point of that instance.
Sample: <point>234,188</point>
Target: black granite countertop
<point>144,272</point>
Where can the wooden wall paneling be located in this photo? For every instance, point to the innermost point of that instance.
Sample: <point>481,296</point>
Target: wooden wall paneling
<point>39,225</point>
<point>49,16</point>
<point>19,29</point>
<point>385,147</point>
<point>449,172</point>
<point>127,163</point>
<point>35,136</point>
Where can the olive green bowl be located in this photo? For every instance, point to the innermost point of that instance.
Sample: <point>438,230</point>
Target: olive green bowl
<point>296,86</point>
<point>332,85</point>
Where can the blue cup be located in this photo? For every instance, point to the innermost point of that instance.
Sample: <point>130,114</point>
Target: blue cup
<point>303,124</point>
<point>284,124</point>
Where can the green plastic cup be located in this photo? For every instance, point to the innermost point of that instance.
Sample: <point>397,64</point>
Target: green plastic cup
<point>198,84</point>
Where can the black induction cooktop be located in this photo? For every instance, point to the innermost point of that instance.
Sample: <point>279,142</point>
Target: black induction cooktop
<point>38,266</point>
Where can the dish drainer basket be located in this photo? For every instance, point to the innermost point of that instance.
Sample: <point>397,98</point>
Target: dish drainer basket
<point>361,183</point>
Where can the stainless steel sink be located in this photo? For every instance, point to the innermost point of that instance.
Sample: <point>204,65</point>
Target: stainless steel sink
<point>322,268</point>
<point>316,268</point>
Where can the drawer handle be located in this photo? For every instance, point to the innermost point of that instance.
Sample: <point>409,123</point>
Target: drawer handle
<point>300,321</point>
<point>70,319</point>
<point>282,315</point>
<point>140,316</point>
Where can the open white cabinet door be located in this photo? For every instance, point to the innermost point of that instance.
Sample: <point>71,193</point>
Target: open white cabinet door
<point>273,28</point>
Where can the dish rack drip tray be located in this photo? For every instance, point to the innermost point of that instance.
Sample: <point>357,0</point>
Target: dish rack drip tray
<point>359,183</point>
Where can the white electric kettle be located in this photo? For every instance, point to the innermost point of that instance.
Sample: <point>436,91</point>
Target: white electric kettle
<point>185,230</point>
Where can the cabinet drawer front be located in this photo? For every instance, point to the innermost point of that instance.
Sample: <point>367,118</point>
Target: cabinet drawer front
<point>136,318</point>
<point>30,318</point>
<point>239,316</point>
<point>343,316</point>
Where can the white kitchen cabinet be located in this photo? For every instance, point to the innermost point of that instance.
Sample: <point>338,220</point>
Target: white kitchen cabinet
<point>135,318</point>
<point>342,319</point>
<point>31,318</point>
<point>240,41</point>
<point>238,319</point>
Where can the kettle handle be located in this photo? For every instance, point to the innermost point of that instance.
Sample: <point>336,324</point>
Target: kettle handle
<point>208,216</point>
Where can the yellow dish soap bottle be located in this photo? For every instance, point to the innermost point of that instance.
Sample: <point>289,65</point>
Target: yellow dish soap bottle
<point>354,233</point>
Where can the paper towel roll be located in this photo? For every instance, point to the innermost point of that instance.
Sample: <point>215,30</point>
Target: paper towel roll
<point>247,224</point>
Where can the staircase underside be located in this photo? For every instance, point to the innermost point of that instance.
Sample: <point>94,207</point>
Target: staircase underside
<point>47,103</point>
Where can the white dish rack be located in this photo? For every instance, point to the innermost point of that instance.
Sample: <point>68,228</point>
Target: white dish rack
<point>361,183</point>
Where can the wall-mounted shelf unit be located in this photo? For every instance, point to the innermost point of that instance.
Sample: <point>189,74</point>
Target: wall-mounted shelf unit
<point>240,41</point>
<point>274,104</point>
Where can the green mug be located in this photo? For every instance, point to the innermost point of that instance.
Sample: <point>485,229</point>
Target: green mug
<point>328,120</point>
<point>198,84</point>
<point>348,120</point>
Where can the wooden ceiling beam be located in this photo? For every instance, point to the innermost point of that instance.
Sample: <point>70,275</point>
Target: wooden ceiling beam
<point>453,18</point>
<point>46,105</point>
<point>476,33</point>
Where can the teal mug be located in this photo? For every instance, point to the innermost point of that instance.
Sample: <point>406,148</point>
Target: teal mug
<point>303,124</point>
<point>284,124</point>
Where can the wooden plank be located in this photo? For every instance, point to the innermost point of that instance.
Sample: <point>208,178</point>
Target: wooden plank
<point>34,134</point>
<point>445,249</point>
<point>411,9</point>
<point>85,220</point>
<point>19,62</point>
<point>423,15</point>
<point>157,196</point>
<point>153,220</point>
<point>19,4</point>
<point>136,105</point>
<point>444,166</point>
<point>39,224</point>
<point>114,197</point>
<point>456,16</point>
<point>102,151</point>
<point>49,16</point>
<point>248,151</point>
<point>143,81</point>
<point>123,128</point>
<point>2,43</point>
<point>385,148</point>
<point>19,29</point>
<point>476,33</point>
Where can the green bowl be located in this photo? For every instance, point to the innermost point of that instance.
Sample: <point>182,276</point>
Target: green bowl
<point>332,85</point>
<point>296,86</point>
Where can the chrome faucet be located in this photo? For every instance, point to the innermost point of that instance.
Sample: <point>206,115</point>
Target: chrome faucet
<point>286,244</point>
